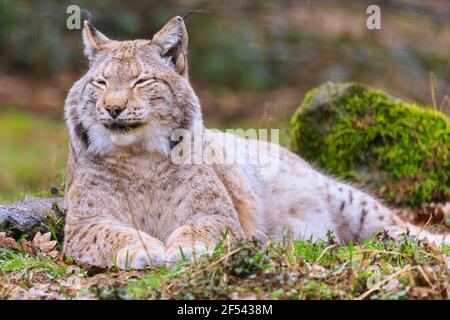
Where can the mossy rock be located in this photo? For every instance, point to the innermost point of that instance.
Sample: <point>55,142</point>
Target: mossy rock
<point>399,150</point>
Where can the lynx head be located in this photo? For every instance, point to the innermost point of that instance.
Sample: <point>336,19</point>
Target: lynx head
<point>135,93</point>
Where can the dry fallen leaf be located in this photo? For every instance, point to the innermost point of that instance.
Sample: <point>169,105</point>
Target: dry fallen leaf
<point>243,296</point>
<point>44,244</point>
<point>41,291</point>
<point>8,243</point>
<point>438,212</point>
<point>422,292</point>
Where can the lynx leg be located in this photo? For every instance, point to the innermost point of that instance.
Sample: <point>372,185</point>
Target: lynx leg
<point>200,237</point>
<point>107,244</point>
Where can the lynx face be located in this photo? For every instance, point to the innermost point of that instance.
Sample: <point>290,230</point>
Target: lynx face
<point>136,92</point>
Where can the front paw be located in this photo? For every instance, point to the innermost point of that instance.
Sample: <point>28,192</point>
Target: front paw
<point>132,257</point>
<point>177,253</point>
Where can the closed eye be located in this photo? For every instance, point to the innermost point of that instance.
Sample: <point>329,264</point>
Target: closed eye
<point>143,82</point>
<point>99,83</point>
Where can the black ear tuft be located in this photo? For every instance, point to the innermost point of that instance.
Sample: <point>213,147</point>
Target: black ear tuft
<point>192,12</point>
<point>93,40</point>
<point>87,15</point>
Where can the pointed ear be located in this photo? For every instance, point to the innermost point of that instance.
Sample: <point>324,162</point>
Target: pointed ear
<point>173,41</point>
<point>93,40</point>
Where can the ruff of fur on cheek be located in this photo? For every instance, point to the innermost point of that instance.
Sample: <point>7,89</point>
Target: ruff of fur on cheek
<point>99,140</point>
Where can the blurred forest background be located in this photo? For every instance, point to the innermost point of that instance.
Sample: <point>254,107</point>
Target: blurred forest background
<point>251,63</point>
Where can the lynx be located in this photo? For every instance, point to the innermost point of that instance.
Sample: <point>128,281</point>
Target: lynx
<point>130,205</point>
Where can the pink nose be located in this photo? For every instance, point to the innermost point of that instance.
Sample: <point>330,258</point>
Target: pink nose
<point>114,111</point>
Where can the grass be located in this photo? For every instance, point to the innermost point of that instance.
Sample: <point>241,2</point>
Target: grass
<point>11,262</point>
<point>33,154</point>
<point>379,268</point>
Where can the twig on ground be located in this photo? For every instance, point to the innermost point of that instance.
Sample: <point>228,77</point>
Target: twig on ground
<point>325,250</point>
<point>377,286</point>
<point>424,275</point>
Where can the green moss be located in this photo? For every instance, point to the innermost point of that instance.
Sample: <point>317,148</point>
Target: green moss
<point>398,149</point>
